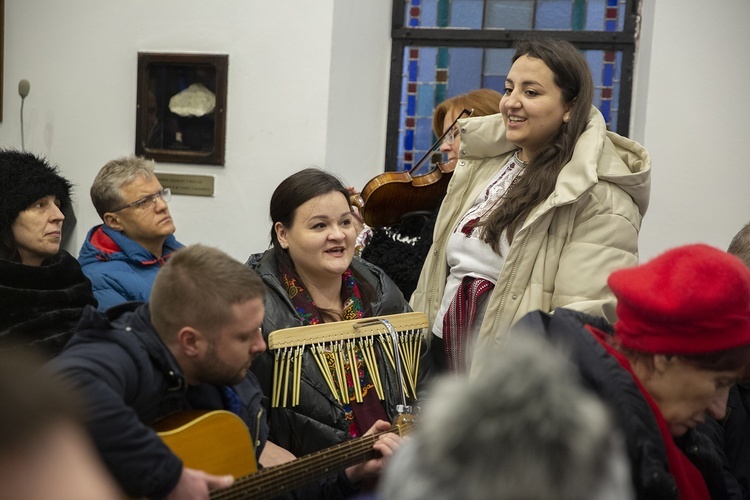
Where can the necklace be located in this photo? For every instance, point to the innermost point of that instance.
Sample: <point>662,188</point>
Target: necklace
<point>518,160</point>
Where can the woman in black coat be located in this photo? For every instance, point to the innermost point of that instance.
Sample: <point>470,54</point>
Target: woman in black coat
<point>42,289</point>
<point>312,277</point>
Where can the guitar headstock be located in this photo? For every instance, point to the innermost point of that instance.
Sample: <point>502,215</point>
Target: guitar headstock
<point>405,423</point>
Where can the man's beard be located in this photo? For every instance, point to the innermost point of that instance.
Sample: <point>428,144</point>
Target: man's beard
<point>216,372</point>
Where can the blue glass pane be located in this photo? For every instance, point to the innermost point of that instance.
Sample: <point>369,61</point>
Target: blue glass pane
<point>429,13</point>
<point>420,13</point>
<point>401,131</point>
<point>610,24</point>
<point>515,14</point>
<point>427,59</point>
<point>412,13</point>
<point>595,15</point>
<point>608,74</point>
<point>616,93</point>
<point>409,140</point>
<point>465,70</point>
<point>413,70</point>
<point>494,82</point>
<point>595,58</point>
<point>498,61</point>
<point>605,108</point>
<point>411,104</point>
<point>553,15</point>
<point>466,14</point>
<point>423,136</point>
<point>425,99</point>
<point>509,14</point>
<point>607,81</point>
<point>618,77</point>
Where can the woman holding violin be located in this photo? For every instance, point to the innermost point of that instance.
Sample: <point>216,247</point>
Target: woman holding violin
<point>411,213</point>
<point>543,205</point>
<point>480,102</point>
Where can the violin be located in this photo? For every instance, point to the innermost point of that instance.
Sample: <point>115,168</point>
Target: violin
<point>390,196</point>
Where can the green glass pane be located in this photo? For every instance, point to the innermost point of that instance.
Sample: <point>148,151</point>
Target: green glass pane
<point>509,14</point>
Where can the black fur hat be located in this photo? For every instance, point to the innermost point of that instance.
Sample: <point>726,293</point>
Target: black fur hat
<point>25,178</point>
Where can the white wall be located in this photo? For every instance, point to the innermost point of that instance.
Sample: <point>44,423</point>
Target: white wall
<point>284,110</point>
<point>693,116</point>
<point>308,85</point>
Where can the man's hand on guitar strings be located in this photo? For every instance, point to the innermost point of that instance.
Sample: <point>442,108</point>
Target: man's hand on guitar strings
<point>385,445</point>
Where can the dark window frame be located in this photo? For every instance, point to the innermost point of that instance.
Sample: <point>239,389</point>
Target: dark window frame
<point>404,36</point>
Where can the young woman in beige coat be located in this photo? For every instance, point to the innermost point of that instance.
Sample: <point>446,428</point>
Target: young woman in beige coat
<point>543,205</point>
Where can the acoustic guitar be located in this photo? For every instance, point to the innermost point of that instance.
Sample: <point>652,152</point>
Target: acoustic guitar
<point>218,442</point>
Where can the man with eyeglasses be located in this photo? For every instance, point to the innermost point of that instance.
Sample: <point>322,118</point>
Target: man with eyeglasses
<point>122,256</point>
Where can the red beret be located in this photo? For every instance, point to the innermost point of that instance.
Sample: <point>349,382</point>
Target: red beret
<point>690,300</point>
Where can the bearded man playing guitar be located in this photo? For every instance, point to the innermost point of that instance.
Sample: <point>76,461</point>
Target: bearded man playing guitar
<point>190,348</point>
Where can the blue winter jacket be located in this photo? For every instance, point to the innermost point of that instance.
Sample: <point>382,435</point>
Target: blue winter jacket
<point>120,269</point>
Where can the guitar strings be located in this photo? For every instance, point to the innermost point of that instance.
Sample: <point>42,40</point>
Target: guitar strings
<point>299,472</point>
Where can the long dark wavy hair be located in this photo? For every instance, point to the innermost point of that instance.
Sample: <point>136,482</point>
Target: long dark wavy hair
<point>293,191</point>
<point>573,77</point>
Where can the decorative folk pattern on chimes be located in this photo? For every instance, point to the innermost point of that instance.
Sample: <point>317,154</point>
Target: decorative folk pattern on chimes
<point>337,348</point>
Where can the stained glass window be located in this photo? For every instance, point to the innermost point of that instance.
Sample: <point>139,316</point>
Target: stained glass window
<point>450,47</point>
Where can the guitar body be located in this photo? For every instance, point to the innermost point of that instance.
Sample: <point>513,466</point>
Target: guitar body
<point>217,442</point>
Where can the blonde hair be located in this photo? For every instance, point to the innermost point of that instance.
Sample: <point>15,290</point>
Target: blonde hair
<point>197,287</point>
<point>482,101</point>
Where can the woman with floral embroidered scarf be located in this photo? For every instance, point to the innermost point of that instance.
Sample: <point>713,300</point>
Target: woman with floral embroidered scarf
<point>312,276</point>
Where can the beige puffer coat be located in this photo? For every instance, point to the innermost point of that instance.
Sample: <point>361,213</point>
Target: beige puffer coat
<point>567,247</point>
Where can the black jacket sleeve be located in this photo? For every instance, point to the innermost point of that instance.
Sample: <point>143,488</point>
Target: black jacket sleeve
<point>142,464</point>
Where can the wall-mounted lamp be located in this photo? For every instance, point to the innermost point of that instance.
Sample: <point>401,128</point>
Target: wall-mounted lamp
<point>23,90</point>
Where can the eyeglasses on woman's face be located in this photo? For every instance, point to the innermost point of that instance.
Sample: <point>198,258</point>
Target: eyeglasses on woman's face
<point>148,201</point>
<point>451,136</point>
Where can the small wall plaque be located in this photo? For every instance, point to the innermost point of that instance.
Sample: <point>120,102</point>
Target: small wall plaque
<point>188,184</point>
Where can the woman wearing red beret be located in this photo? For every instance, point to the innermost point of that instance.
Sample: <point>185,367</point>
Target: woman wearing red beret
<point>682,340</point>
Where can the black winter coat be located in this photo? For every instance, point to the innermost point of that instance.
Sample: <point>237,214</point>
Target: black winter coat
<point>319,421</point>
<point>732,436</point>
<point>737,436</point>
<point>41,305</point>
<point>129,379</point>
<point>603,374</point>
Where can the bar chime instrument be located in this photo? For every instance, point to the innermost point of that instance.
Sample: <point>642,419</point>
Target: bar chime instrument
<point>336,347</point>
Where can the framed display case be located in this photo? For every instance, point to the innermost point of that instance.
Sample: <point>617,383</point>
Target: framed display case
<point>181,107</point>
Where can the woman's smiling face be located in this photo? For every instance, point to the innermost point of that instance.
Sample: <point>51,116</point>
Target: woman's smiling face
<point>532,106</point>
<point>321,237</point>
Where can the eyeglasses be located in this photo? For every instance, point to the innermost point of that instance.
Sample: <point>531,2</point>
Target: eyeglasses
<point>451,136</point>
<point>147,201</point>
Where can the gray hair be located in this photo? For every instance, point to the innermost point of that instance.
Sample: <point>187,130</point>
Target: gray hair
<point>740,245</point>
<point>525,429</point>
<point>106,190</point>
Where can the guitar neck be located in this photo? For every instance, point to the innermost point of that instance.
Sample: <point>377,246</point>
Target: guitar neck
<point>274,481</point>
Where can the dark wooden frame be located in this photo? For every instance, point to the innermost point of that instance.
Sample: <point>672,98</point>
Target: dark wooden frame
<point>155,88</point>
